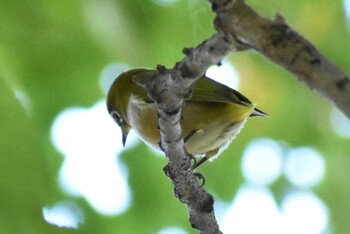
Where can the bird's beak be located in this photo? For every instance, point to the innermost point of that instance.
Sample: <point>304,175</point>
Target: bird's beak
<point>257,112</point>
<point>125,132</point>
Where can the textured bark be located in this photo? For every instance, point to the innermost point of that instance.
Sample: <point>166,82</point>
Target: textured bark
<point>285,47</point>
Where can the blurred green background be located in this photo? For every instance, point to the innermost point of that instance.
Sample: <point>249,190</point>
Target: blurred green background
<point>52,57</point>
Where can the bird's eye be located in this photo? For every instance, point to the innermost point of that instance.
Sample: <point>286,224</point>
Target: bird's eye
<point>116,118</point>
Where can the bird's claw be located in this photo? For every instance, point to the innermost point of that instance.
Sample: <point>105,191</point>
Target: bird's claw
<point>199,176</point>
<point>193,160</point>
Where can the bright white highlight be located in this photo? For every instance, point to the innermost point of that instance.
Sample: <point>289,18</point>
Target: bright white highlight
<point>262,162</point>
<point>109,73</point>
<point>164,2</point>
<point>172,230</point>
<point>225,74</point>
<point>340,124</point>
<point>347,8</point>
<point>304,213</point>
<point>90,141</point>
<point>23,98</point>
<point>304,167</point>
<point>254,210</point>
<point>64,215</point>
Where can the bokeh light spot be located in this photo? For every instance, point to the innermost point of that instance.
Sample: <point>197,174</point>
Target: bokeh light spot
<point>90,140</point>
<point>347,8</point>
<point>172,230</point>
<point>64,214</point>
<point>164,2</point>
<point>304,213</point>
<point>253,210</point>
<point>23,98</point>
<point>262,161</point>
<point>340,124</point>
<point>304,166</point>
<point>225,74</point>
<point>109,73</point>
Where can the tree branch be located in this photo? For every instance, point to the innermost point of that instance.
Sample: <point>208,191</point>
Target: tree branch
<point>238,28</point>
<point>169,88</point>
<point>278,42</point>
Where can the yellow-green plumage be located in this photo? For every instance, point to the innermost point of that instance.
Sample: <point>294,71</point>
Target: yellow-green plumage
<point>212,116</point>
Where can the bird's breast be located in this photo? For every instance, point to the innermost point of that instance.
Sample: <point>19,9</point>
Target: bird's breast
<point>206,126</point>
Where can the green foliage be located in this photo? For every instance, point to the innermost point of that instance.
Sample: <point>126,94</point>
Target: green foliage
<point>52,53</point>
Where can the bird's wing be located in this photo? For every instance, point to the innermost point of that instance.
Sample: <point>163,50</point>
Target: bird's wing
<point>205,89</point>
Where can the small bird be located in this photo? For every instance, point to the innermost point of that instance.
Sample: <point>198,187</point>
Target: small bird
<point>211,118</point>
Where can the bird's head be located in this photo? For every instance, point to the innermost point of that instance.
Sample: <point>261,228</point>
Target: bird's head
<point>118,98</point>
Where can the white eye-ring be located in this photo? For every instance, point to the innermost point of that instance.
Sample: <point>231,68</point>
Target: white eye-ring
<point>117,118</point>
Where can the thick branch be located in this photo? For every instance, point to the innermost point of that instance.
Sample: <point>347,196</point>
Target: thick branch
<point>285,47</point>
<point>169,88</point>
